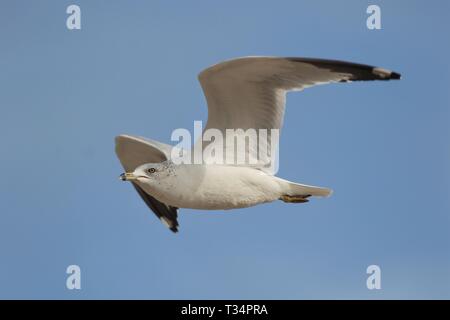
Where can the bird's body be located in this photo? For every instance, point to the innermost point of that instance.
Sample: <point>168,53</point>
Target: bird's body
<point>215,187</point>
<point>242,94</point>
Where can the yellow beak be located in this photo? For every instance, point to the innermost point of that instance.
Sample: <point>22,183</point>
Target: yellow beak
<point>127,176</point>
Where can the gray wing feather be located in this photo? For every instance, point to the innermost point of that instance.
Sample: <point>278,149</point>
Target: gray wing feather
<point>134,151</point>
<point>250,92</point>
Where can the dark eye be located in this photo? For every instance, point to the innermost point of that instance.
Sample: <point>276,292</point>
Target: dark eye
<point>151,170</point>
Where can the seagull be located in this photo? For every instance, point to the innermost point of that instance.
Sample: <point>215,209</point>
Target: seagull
<point>242,93</point>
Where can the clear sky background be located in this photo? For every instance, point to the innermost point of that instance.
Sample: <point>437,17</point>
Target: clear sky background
<point>132,68</point>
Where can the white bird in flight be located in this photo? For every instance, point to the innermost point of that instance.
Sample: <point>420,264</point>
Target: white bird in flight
<point>243,93</point>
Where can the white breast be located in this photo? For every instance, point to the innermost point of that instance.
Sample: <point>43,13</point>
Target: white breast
<point>216,187</point>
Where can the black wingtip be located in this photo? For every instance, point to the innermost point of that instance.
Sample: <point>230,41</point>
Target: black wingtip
<point>358,72</point>
<point>174,229</point>
<point>395,76</point>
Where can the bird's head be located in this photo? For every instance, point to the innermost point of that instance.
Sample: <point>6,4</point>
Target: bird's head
<point>148,173</point>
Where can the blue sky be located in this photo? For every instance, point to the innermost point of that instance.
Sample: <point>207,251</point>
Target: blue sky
<point>383,147</point>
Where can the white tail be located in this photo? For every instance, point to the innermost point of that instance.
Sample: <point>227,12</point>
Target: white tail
<point>296,189</point>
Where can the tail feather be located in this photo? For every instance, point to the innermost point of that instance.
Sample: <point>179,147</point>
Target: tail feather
<point>293,189</point>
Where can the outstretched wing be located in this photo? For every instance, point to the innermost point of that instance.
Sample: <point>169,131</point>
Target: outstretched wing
<point>135,151</point>
<point>249,93</point>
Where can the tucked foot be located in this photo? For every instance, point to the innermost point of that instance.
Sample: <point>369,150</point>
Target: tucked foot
<point>295,199</point>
